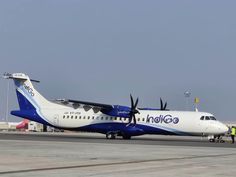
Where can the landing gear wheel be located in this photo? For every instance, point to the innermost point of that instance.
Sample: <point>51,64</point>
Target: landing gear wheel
<point>126,137</point>
<point>110,135</point>
<point>212,140</point>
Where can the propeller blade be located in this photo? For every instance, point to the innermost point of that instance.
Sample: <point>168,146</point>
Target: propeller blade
<point>132,101</point>
<point>134,118</point>
<point>165,106</point>
<point>136,103</point>
<point>130,119</point>
<point>161,104</point>
<point>136,111</point>
<point>133,110</point>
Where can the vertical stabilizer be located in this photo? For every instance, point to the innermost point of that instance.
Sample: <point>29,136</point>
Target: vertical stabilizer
<point>28,97</point>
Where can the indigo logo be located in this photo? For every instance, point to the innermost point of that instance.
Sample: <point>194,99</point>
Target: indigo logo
<point>167,119</point>
<point>30,90</point>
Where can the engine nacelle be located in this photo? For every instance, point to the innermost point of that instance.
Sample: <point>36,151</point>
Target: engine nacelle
<point>118,111</point>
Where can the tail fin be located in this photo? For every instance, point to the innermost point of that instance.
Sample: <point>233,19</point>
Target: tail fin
<point>28,97</point>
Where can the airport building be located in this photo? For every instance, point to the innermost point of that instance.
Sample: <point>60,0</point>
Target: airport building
<point>8,126</point>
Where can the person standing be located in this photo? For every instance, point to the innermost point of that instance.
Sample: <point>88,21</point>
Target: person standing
<point>233,132</point>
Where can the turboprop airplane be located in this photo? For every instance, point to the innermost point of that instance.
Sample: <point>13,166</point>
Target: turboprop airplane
<point>111,120</point>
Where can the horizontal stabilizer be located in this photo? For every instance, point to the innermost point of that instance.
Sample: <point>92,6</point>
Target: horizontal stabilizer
<point>18,76</point>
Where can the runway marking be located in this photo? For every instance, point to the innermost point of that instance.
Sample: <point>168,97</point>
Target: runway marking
<point>112,164</point>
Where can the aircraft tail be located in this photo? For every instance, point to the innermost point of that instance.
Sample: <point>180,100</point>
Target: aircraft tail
<point>28,97</point>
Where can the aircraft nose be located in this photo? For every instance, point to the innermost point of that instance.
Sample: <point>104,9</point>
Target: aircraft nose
<point>224,128</point>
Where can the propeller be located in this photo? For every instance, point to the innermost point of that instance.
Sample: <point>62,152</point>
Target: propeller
<point>163,107</point>
<point>133,110</point>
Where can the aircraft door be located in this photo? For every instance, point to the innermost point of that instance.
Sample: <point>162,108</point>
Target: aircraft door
<point>203,125</point>
<point>56,120</point>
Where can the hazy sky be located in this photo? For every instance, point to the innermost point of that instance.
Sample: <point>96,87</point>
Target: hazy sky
<point>104,50</point>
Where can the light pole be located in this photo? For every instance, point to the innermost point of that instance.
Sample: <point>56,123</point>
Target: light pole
<point>187,94</point>
<point>196,101</point>
<point>6,76</point>
<point>8,86</point>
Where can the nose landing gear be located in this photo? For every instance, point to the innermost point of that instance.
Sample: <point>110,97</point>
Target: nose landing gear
<point>215,138</point>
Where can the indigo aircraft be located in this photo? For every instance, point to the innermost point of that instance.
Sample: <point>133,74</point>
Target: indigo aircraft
<point>110,120</point>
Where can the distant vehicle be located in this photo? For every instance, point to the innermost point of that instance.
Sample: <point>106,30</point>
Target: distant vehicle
<point>23,124</point>
<point>111,120</point>
<point>35,127</point>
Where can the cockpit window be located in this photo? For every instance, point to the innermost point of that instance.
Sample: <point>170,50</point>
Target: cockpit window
<point>207,118</point>
<point>212,118</point>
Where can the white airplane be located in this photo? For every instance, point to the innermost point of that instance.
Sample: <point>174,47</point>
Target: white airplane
<point>111,120</point>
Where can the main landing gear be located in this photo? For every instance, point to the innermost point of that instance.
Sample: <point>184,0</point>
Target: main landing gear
<point>113,135</point>
<point>126,137</point>
<point>110,135</point>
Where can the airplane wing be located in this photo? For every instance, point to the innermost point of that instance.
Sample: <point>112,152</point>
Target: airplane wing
<point>92,104</point>
<point>86,105</point>
<point>111,110</point>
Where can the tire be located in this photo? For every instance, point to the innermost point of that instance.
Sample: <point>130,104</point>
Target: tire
<point>110,135</point>
<point>212,140</point>
<point>126,137</point>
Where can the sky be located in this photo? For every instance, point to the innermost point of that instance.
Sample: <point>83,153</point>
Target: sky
<point>102,51</point>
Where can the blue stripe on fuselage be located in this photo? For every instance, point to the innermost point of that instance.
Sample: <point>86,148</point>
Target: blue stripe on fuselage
<point>27,110</point>
<point>106,127</point>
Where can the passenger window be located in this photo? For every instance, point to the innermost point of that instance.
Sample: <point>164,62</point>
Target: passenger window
<point>88,117</point>
<point>138,119</point>
<point>115,118</point>
<point>68,117</point>
<point>93,117</point>
<point>202,118</point>
<point>80,117</point>
<point>101,118</point>
<point>71,117</point>
<point>84,117</point>
<point>64,117</point>
<point>75,117</point>
<point>143,119</point>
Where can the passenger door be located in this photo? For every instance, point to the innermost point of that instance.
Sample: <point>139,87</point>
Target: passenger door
<point>56,120</point>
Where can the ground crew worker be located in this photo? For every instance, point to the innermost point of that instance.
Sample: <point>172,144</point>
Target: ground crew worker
<point>233,132</point>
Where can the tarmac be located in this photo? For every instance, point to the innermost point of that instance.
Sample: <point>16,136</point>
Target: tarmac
<point>88,154</point>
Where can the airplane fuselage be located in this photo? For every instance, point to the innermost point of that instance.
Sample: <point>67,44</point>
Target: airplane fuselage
<point>149,121</point>
<point>110,119</point>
